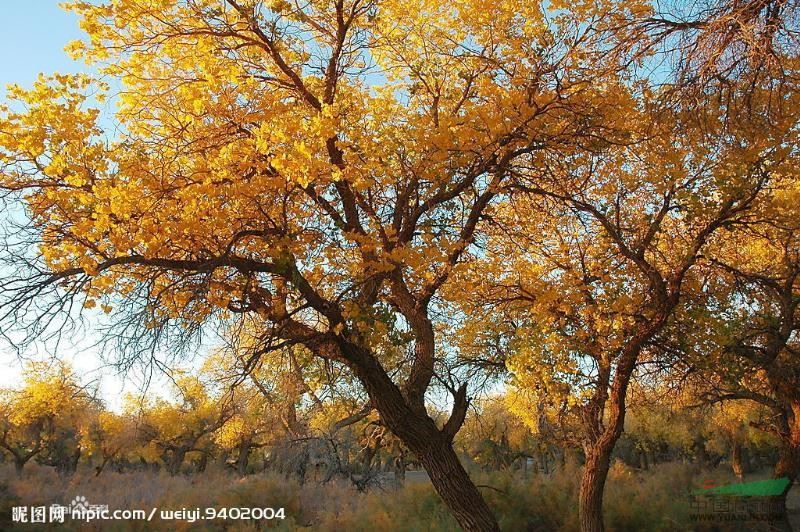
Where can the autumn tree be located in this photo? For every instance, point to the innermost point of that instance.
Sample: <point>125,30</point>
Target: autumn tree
<point>263,395</point>
<point>494,437</point>
<point>716,45</point>
<point>320,167</point>
<point>177,426</point>
<point>44,417</point>
<point>110,438</point>
<point>749,321</point>
<point>592,257</point>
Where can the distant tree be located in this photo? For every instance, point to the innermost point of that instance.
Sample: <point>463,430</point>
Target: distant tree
<point>751,320</point>
<point>111,438</point>
<point>43,418</point>
<point>174,428</point>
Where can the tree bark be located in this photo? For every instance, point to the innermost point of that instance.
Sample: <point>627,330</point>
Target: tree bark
<point>789,460</point>
<point>736,460</point>
<point>593,481</point>
<point>243,458</point>
<point>19,465</point>
<point>454,486</point>
<point>409,421</point>
<point>788,465</point>
<point>174,460</point>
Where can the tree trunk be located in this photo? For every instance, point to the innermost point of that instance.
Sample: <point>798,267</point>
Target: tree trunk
<point>99,469</point>
<point>643,463</point>
<point>736,460</point>
<point>593,480</point>
<point>788,465</point>
<point>789,460</point>
<point>174,461</point>
<point>243,458</point>
<point>409,421</point>
<point>202,463</point>
<point>400,470</point>
<point>454,486</point>
<point>19,465</point>
<point>700,452</point>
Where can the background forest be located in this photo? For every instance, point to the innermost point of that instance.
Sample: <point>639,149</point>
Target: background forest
<point>413,265</point>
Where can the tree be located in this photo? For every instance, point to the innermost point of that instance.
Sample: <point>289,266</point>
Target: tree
<point>496,438</point>
<point>319,168</point>
<point>590,262</point>
<point>111,437</point>
<point>22,439</point>
<point>174,429</point>
<point>43,418</point>
<point>717,46</point>
<point>752,320</point>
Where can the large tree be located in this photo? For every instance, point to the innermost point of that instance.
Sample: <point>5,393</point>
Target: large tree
<point>318,169</point>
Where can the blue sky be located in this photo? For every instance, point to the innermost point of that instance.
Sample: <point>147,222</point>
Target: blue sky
<point>33,39</point>
<point>32,42</point>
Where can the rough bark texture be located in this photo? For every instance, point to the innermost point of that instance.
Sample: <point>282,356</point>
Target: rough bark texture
<point>593,482</point>
<point>409,421</point>
<point>243,458</point>
<point>789,461</point>
<point>454,486</point>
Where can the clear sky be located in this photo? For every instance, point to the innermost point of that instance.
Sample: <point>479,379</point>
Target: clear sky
<point>32,42</point>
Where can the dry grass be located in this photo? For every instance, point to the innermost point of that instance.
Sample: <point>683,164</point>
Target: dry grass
<point>654,500</point>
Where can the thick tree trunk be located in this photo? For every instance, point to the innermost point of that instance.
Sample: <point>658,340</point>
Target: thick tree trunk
<point>593,481</point>
<point>19,465</point>
<point>454,486</point>
<point>789,460</point>
<point>409,421</point>
<point>603,436</point>
<point>788,465</point>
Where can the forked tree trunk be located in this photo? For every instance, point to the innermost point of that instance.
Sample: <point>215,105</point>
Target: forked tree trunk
<point>604,437</point>
<point>593,481</point>
<point>432,446</point>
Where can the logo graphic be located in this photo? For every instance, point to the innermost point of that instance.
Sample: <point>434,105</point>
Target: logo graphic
<point>79,505</point>
<point>760,488</point>
<point>761,500</point>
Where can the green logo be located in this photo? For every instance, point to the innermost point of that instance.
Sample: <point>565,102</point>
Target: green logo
<point>760,488</point>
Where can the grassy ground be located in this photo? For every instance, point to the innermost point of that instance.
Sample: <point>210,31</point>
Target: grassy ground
<point>653,500</point>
